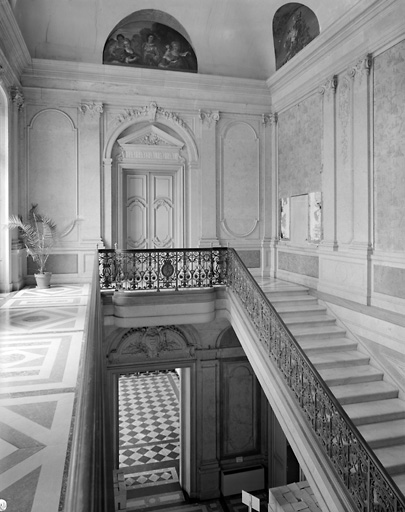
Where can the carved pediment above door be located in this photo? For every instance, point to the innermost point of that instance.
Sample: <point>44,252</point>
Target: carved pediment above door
<point>151,144</point>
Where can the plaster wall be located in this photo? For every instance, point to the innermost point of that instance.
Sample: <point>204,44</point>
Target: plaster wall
<point>340,129</point>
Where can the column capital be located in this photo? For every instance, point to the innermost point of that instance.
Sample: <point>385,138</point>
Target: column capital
<point>17,97</point>
<point>329,86</point>
<point>209,118</point>
<point>91,109</point>
<point>361,68</point>
<point>271,119</point>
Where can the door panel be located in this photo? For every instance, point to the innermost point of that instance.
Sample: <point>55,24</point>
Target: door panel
<point>163,211</point>
<point>136,215</point>
<point>151,215</point>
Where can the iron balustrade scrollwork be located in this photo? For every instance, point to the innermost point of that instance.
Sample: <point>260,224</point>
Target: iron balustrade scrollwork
<point>161,269</point>
<point>368,483</point>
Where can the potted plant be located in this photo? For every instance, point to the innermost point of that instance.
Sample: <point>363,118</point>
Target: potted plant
<point>39,235</point>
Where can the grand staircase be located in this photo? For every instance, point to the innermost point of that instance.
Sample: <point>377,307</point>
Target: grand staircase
<point>369,400</point>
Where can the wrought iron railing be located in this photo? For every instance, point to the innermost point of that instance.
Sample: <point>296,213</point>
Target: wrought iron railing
<point>368,483</point>
<point>161,269</point>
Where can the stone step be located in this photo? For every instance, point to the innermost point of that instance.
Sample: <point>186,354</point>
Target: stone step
<point>392,458</point>
<point>293,300</point>
<point>350,375</point>
<point>312,333</point>
<point>285,293</point>
<point>341,359</point>
<point>364,392</point>
<point>386,433</point>
<point>376,410</point>
<point>308,321</point>
<point>400,481</point>
<point>322,346</point>
<point>285,310</point>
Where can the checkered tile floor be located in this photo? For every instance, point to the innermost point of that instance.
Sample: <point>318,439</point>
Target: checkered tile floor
<point>149,428</point>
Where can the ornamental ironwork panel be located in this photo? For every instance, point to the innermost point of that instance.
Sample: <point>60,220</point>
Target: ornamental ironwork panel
<point>162,269</point>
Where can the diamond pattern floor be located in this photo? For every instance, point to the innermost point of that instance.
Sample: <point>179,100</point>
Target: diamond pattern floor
<point>149,442</point>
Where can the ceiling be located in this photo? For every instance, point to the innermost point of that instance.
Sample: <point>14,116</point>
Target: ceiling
<point>230,37</point>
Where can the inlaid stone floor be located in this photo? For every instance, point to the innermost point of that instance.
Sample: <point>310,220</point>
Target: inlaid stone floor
<point>41,335</point>
<point>149,443</point>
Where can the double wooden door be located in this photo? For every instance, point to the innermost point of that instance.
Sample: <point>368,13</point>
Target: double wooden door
<point>152,209</point>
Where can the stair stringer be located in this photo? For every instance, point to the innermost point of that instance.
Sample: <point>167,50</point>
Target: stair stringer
<point>330,492</point>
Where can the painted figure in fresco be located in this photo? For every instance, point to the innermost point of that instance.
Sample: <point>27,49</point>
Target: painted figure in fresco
<point>297,38</point>
<point>173,58</point>
<point>119,50</point>
<point>151,55</point>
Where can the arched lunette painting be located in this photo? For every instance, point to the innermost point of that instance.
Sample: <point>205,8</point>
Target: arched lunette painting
<point>294,26</point>
<point>149,45</point>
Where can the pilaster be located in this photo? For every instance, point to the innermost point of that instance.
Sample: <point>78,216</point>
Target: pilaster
<point>89,170</point>
<point>362,221</point>
<point>208,182</point>
<point>328,92</point>
<point>270,213</point>
<point>207,428</point>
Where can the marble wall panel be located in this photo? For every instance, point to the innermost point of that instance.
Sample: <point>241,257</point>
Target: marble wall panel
<point>250,258</point>
<point>52,166</point>
<point>299,263</point>
<point>389,280</point>
<point>240,179</point>
<point>389,152</point>
<point>240,418</point>
<point>300,148</point>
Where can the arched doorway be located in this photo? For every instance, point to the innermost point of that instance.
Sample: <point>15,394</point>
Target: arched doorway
<point>136,357</point>
<point>147,179</point>
<point>151,197</point>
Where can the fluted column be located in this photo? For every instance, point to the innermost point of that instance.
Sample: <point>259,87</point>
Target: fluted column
<point>208,196</point>
<point>328,92</point>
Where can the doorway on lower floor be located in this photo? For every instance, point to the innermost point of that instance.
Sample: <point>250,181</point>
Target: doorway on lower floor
<point>149,437</point>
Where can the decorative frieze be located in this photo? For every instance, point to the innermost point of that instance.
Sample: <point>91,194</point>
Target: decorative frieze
<point>271,119</point>
<point>329,86</point>
<point>17,97</point>
<point>209,118</point>
<point>91,110</point>
<point>150,343</point>
<point>151,112</point>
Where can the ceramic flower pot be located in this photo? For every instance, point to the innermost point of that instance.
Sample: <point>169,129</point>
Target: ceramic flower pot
<point>43,280</point>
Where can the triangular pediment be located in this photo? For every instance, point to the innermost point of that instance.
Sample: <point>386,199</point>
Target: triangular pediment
<point>150,136</point>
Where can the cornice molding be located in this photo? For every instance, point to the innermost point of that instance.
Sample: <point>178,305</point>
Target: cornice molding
<point>117,83</point>
<point>15,50</point>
